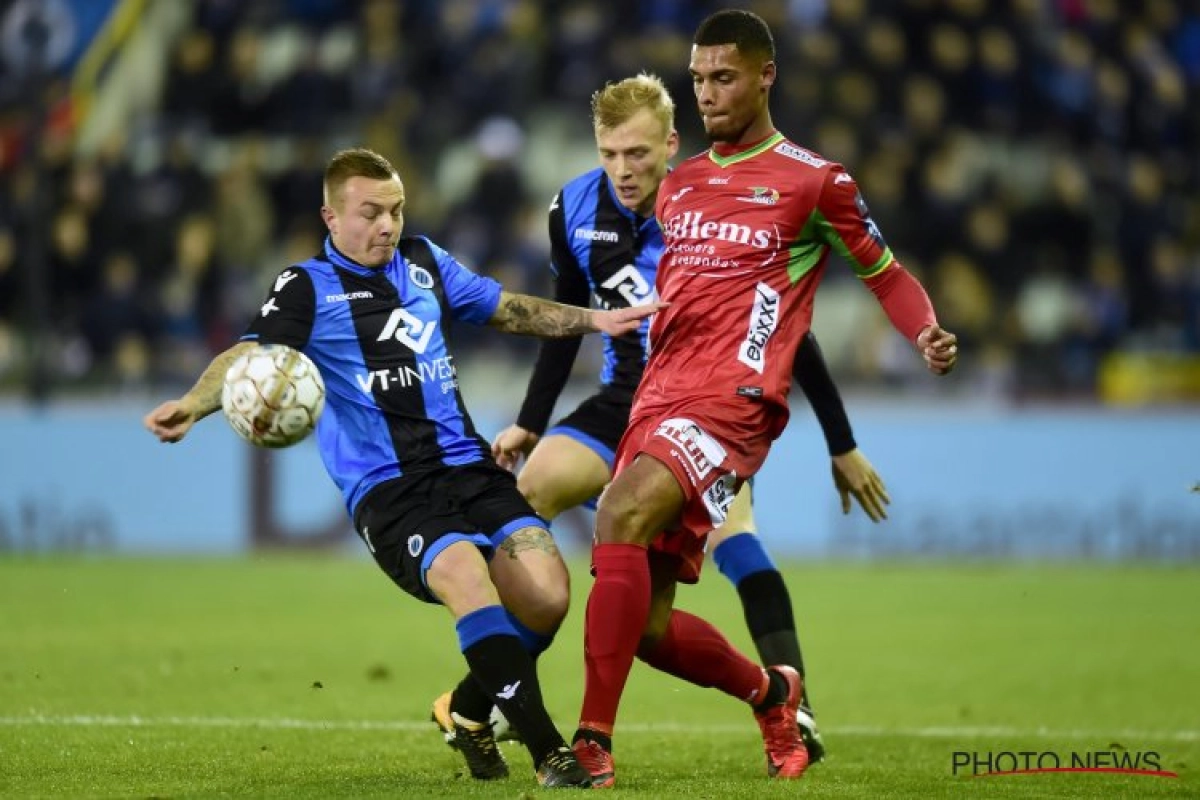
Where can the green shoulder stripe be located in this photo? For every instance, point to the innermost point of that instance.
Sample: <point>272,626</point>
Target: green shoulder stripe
<point>826,231</point>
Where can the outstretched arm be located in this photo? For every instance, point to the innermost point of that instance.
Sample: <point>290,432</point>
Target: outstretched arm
<point>172,420</point>
<point>853,475</point>
<point>844,222</point>
<point>534,316</point>
<point>812,375</point>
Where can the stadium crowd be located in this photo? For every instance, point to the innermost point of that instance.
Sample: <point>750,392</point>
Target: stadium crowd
<point>1035,162</point>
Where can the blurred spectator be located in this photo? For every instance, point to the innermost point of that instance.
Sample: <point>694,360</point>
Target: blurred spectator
<point>244,218</point>
<point>118,321</point>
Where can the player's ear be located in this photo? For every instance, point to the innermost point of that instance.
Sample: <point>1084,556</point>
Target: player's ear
<point>767,76</point>
<point>330,218</point>
<point>672,143</point>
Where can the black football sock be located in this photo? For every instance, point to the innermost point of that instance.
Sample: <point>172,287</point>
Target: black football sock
<point>507,673</point>
<point>768,609</point>
<point>470,701</point>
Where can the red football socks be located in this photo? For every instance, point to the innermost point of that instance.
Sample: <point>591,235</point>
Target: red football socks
<point>696,651</point>
<point>617,610</point>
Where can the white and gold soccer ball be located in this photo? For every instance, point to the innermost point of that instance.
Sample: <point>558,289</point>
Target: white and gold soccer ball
<point>273,395</point>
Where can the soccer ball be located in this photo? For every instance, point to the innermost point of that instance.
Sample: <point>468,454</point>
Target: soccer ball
<point>273,395</point>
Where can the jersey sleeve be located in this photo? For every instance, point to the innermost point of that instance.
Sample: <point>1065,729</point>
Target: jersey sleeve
<point>812,375</point>
<point>287,315</point>
<point>555,356</point>
<point>472,298</point>
<point>844,223</point>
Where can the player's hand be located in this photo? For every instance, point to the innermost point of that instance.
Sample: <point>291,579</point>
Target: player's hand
<point>939,348</point>
<point>171,421</point>
<point>618,321</point>
<point>512,443</point>
<point>854,477</point>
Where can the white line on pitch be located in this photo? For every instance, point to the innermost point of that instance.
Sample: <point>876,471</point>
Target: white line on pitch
<point>278,723</point>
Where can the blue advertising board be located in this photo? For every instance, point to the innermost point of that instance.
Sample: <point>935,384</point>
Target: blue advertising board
<point>976,484</point>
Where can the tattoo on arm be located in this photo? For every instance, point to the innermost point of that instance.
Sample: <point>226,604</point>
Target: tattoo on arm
<point>205,395</point>
<point>528,539</point>
<point>523,314</point>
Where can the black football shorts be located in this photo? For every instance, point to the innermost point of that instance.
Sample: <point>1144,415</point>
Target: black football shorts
<point>407,521</point>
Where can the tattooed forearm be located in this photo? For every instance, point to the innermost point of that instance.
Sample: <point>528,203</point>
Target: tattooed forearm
<point>528,539</point>
<point>205,396</point>
<point>521,313</point>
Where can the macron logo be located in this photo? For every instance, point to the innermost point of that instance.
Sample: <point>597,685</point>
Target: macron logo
<point>596,236</point>
<point>342,298</point>
<point>509,692</point>
<point>284,279</point>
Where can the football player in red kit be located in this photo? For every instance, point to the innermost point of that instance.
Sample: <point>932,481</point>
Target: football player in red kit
<point>748,227</point>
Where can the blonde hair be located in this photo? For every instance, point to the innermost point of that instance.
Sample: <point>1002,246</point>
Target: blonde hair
<point>617,102</point>
<point>354,163</point>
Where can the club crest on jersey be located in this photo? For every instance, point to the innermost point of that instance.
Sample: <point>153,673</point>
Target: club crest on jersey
<point>761,195</point>
<point>420,277</point>
<point>764,317</point>
<point>698,452</point>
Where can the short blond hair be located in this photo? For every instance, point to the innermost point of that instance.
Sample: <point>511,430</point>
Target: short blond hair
<point>357,162</point>
<point>617,102</point>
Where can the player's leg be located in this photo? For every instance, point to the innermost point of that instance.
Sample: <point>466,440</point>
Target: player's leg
<point>740,556</point>
<point>563,471</point>
<point>688,647</point>
<point>642,500</point>
<point>534,587</point>
<point>459,577</point>
<point>419,536</point>
<point>569,466</point>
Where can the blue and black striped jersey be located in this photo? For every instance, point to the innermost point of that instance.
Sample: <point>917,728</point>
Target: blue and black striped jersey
<point>379,338</point>
<point>602,254</point>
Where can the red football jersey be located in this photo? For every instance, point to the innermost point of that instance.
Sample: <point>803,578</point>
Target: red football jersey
<point>746,241</point>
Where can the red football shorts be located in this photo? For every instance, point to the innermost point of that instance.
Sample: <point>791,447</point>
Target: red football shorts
<point>709,460</point>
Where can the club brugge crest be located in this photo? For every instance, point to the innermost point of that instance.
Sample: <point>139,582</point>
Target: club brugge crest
<point>420,276</point>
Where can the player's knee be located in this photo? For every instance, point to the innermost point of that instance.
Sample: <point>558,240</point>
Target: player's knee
<point>625,518</point>
<point>459,577</point>
<point>543,610</point>
<point>539,493</point>
<point>546,612</point>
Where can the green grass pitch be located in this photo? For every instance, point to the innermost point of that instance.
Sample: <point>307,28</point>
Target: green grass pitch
<point>312,676</point>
